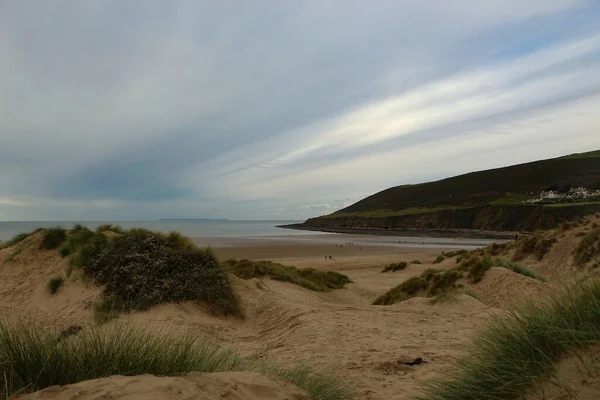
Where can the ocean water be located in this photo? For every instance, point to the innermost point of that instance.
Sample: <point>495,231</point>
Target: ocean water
<point>188,228</point>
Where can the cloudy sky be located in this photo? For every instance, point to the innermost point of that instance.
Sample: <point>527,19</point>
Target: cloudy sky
<point>280,109</point>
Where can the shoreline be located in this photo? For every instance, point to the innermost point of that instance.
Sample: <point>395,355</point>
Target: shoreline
<point>433,233</point>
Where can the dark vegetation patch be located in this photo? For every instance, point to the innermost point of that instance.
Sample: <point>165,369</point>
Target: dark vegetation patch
<point>53,237</point>
<point>416,262</point>
<point>399,266</point>
<point>309,278</point>
<point>519,349</point>
<point>588,248</point>
<point>55,283</point>
<point>139,269</point>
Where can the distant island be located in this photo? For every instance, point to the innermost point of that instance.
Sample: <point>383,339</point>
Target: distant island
<point>525,197</point>
<point>193,219</point>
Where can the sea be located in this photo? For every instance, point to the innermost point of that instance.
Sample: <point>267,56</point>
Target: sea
<point>191,228</point>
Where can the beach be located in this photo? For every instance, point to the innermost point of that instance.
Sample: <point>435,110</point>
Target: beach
<point>307,250</point>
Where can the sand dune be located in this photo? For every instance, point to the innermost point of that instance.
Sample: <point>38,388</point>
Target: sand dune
<point>341,330</point>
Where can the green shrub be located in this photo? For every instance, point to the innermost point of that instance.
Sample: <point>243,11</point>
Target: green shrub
<point>34,358</point>
<point>416,262</point>
<point>141,268</point>
<point>519,349</point>
<point>109,228</point>
<point>439,259</point>
<point>53,237</point>
<point>320,281</point>
<point>395,267</point>
<point>55,283</point>
<point>588,248</point>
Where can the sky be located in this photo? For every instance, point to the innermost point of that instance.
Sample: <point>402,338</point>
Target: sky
<point>142,109</point>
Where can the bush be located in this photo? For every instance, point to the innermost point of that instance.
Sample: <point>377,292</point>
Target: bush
<point>588,248</point>
<point>439,259</point>
<point>34,358</point>
<point>54,284</point>
<point>142,268</point>
<point>320,281</point>
<point>519,349</point>
<point>53,237</point>
<point>416,262</point>
<point>395,267</point>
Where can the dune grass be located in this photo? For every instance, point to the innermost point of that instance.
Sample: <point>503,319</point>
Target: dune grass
<point>54,284</point>
<point>53,237</point>
<point>519,269</point>
<point>533,245</point>
<point>309,278</point>
<point>15,239</point>
<point>399,266</point>
<point>517,350</point>
<point>431,283</point>
<point>434,282</point>
<point>34,358</point>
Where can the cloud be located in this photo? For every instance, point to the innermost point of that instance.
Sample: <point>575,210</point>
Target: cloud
<point>148,109</point>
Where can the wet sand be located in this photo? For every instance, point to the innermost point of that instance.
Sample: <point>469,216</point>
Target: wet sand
<point>319,247</point>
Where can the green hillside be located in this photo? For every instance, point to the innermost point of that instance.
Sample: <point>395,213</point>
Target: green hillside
<point>474,200</point>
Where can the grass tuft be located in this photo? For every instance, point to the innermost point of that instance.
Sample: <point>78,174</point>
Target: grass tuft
<point>309,278</point>
<point>518,349</point>
<point>54,284</point>
<point>519,269</point>
<point>395,267</point>
<point>54,237</point>
<point>35,358</point>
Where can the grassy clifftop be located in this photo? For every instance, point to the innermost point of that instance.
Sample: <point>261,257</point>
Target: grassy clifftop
<point>474,200</point>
